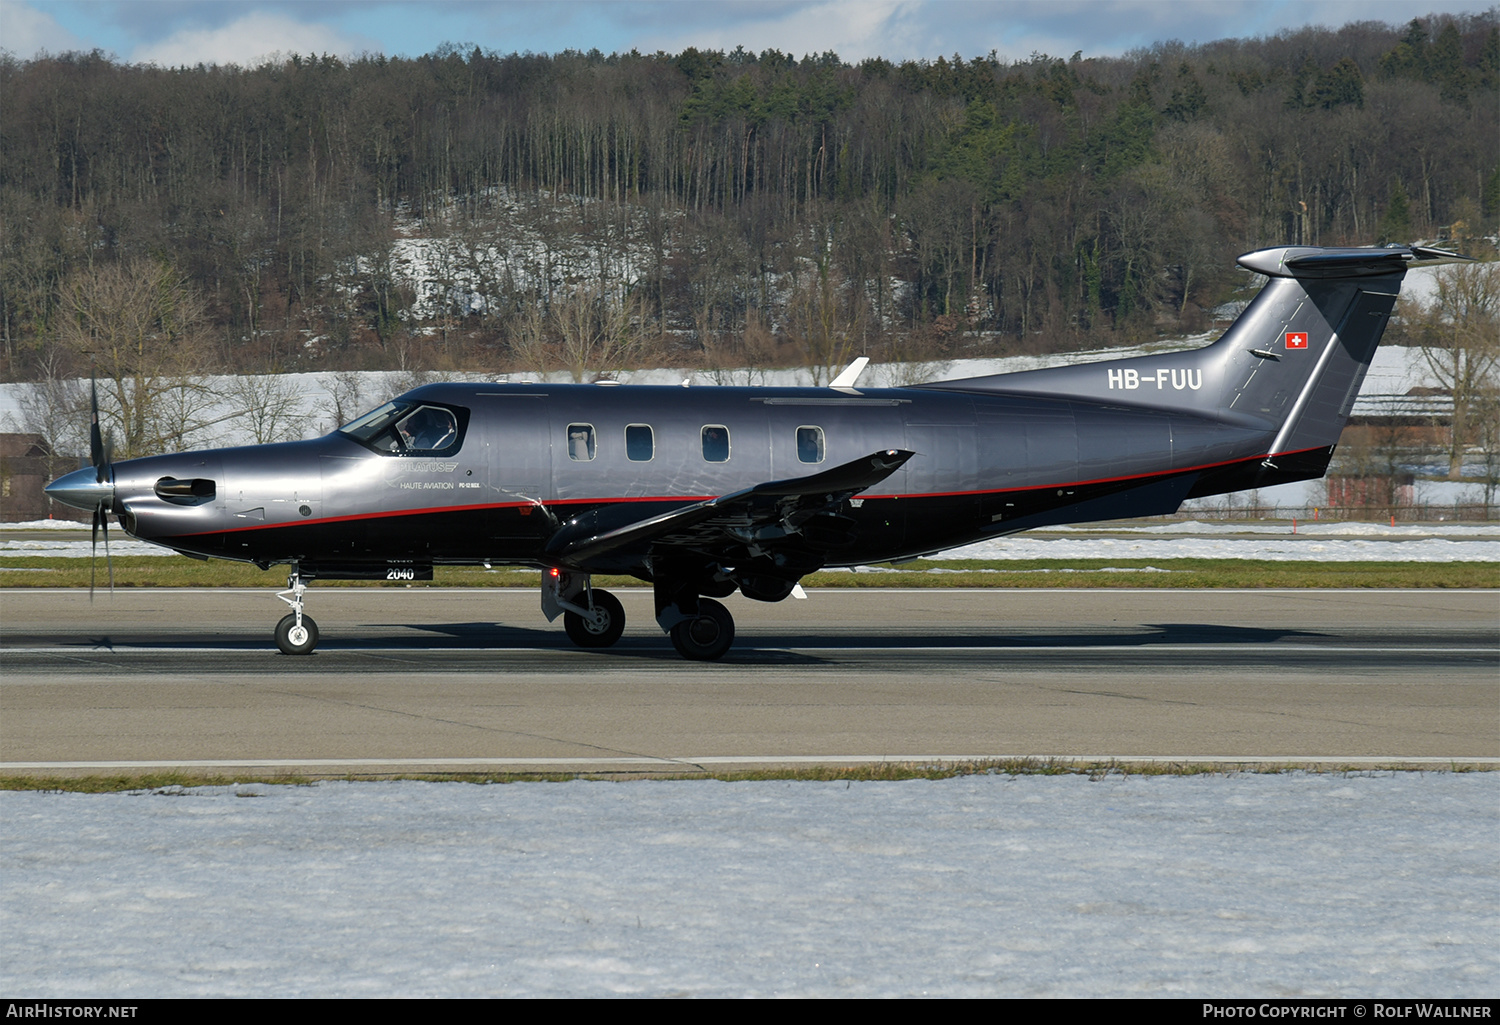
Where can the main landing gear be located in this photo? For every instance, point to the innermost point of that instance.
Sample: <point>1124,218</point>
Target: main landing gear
<point>700,628</point>
<point>706,637</point>
<point>296,634</point>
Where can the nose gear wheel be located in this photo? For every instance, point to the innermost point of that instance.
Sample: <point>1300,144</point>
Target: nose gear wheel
<point>294,638</point>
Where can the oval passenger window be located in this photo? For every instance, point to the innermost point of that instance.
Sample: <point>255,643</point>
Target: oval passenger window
<point>640,446</point>
<point>716,443</point>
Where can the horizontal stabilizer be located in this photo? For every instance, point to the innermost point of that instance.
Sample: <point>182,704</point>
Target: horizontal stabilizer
<point>1348,262</point>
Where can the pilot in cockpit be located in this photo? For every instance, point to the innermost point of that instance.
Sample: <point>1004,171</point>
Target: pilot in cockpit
<point>427,430</point>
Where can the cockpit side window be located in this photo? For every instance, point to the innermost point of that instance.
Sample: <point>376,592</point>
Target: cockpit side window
<point>427,429</point>
<point>410,428</point>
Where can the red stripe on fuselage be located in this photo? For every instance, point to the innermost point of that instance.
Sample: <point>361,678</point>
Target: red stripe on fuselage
<point>387,514</point>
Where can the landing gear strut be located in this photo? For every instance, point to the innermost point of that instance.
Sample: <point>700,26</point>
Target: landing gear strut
<point>701,628</point>
<point>599,626</point>
<point>592,617</point>
<point>296,634</point>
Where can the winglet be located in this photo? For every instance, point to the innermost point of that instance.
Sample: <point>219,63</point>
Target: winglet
<point>850,374</point>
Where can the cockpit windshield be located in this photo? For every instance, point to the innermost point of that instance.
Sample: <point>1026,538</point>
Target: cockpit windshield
<point>406,428</point>
<point>375,421</point>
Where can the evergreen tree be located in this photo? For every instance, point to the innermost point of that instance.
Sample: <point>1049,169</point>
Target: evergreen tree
<point>1396,225</point>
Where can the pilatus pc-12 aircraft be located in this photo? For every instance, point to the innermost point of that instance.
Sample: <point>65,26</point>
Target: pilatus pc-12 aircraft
<point>705,491</point>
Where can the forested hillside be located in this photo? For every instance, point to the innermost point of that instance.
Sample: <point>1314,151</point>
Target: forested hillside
<point>480,210</point>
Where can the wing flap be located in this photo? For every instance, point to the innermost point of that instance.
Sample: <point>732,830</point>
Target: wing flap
<point>703,523</point>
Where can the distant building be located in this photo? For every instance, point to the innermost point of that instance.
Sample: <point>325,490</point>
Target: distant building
<point>1376,491</point>
<point>1418,407</point>
<point>27,465</point>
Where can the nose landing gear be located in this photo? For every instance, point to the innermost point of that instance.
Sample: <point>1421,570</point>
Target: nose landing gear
<point>296,634</point>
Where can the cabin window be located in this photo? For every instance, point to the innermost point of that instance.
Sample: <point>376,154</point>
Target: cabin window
<point>716,443</point>
<point>581,442</point>
<point>640,446</point>
<point>810,446</point>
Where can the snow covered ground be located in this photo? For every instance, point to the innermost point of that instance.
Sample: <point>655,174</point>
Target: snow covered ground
<point>1285,886</point>
<point>1320,542</point>
<point>1286,548</point>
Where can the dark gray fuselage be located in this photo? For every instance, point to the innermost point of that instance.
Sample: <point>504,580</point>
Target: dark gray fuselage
<point>1133,437</point>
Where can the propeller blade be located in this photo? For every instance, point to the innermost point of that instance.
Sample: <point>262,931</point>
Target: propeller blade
<point>100,451</point>
<point>94,552</point>
<point>104,522</point>
<point>96,442</point>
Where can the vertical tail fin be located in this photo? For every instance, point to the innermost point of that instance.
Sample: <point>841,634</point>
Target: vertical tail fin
<point>1297,357</point>
<point>1290,366</point>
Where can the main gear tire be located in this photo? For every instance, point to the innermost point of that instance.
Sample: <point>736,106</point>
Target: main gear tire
<point>708,637</point>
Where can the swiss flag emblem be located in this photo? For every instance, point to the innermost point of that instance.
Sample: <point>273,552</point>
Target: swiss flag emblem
<point>1296,339</point>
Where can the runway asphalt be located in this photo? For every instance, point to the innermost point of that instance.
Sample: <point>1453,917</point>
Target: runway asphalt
<point>421,680</point>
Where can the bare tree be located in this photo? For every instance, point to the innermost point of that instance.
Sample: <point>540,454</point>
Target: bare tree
<point>345,399</point>
<point>142,328</point>
<point>915,356</point>
<point>826,319</point>
<point>1487,433</point>
<point>598,331</point>
<point>531,337</point>
<point>56,407</point>
<point>1371,466</point>
<point>742,358</point>
<point>185,413</point>
<point>269,407</point>
<point>1460,335</point>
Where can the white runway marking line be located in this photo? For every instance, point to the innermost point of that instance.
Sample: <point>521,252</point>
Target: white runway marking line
<point>334,648</point>
<point>529,593</point>
<point>626,761</point>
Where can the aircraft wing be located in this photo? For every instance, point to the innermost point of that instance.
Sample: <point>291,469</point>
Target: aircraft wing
<point>781,511</point>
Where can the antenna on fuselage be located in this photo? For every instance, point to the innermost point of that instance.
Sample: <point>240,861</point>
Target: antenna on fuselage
<point>850,374</point>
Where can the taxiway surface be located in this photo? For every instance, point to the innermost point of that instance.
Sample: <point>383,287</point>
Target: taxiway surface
<point>421,679</point>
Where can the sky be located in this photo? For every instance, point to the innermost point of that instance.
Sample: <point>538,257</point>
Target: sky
<point>174,32</point>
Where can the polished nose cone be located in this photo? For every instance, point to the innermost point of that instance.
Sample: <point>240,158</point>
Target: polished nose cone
<point>81,489</point>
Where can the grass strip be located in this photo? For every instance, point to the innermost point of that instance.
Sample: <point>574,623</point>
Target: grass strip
<point>170,782</point>
<point>156,571</point>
